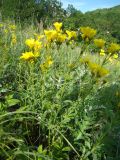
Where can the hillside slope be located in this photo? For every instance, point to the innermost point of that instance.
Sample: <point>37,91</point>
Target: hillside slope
<point>105,19</point>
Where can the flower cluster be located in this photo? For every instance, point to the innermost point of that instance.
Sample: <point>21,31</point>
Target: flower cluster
<point>58,26</point>
<point>47,63</point>
<point>96,69</point>
<point>88,33</point>
<point>29,56</point>
<point>57,35</point>
<point>34,46</point>
<point>99,43</point>
<point>113,48</point>
<point>71,34</point>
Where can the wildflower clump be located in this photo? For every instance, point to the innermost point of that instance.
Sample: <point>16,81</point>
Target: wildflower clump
<point>58,26</point>
<point>33,44</point>
<point>71,34</point>
<point>61,37</point>
<point>114,47</point>
<point>47,64</point>
<point>55,35</point>
<point>85,60</point>
<point>88,33</point>
<point>51,35</point>
<point>28,56</point>
<point>97,70</point>
<point>99,43</point>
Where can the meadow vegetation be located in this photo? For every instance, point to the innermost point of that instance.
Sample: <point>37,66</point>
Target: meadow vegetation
<point>59,93</point>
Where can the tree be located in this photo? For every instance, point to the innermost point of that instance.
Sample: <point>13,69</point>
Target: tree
<point>74,18</point>
<point>21,10</point>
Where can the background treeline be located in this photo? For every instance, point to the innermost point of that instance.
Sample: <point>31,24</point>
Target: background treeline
<point>106,21</point>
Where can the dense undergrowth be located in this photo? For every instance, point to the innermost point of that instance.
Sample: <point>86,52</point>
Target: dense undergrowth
<point>59,94</point>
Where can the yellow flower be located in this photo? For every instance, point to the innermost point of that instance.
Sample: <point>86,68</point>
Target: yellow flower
<point>61,37</point>
<point>33,44</point>
<point>114,47</point>
<point>97,70</point>
<point>85,60</point>
<point>50,35</point>
<point>30,42</point>
<point>103,72</point>
<point>28,56</point>
<point>71,34</point>
<point>57,26</point>
<point>46,65</point>
<point>102,52</point>
<point>88,32</point>
<point>94,67</point>
<point>115,56</point>
<point>99,43</point>
<point>49,61</point>
<point>53,35</point>
<point>37,45</point>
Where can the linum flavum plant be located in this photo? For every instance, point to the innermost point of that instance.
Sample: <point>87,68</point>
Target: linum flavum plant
<point>59,95</point>
<point>100,43</point>
<point>34,46</point>
<point>88,33</point>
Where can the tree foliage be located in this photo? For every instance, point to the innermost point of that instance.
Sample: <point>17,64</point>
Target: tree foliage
<point>21,10</point>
